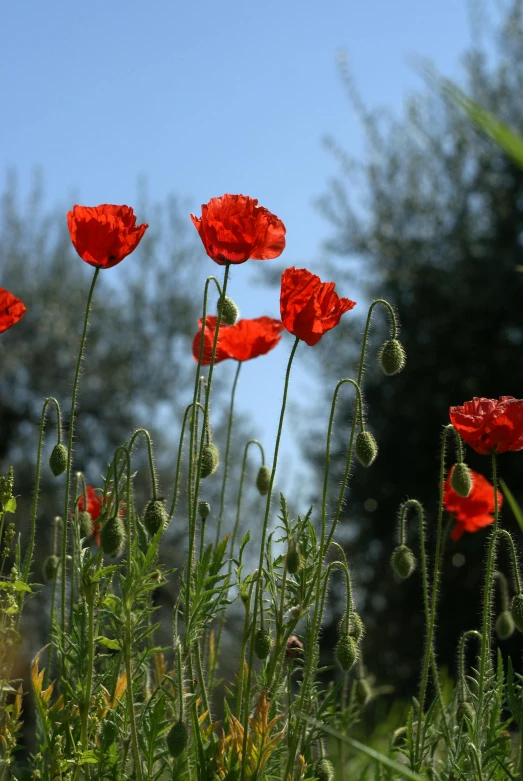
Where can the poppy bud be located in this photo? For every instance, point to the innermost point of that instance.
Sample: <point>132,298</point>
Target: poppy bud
<point>398,735</point>
<point>58,460</point>
<point>263,643</point>
<point>85,524</point>
<point>363,692</point>
<point>294,647</point>
<point>51,567</point>
<point>210,460</point>
<point>263,480</point>
<point>108,733</point>
<point>517,611</point>
<point>204,509</point>
<point>177,739</point>
<point>324,770</point>
<point>155,516</point>
<point>366,448</point>
<point>112,536</point>
<point>356,626</point>
<point>293,559</point>
<point>392,357</point>
<point>346,652</point>
<point>461,480</point>
<point>230,311</point>
<point>402,561</point>
<point>505,625</point>
<point>465,711</point>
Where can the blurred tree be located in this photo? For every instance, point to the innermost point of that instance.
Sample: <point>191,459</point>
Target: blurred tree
<point>438,233</point>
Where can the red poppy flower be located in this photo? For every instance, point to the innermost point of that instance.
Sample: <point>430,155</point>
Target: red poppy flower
<point>490,425</point>
<point>104,235</point>
<point>309,307</point>
<point>11,310</point>
<point>242,341</point>
<point>474,511</point>
<point>234,228</point>
<point>94,507</point>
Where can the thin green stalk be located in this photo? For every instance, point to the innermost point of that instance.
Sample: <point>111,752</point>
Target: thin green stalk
<point>89,681</point>
<point>70,451</point>
<point>245,637</point>
<point>227,452</point>
<point>130,696</point>
<point>143,432</point>
<point>462,678</point>
<point>179,459</point>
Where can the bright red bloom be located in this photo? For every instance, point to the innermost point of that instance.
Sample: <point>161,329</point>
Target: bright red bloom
<point>104,235</point>
<point>474,511</point>
<point>95,505</point>
<point>11,310</point>
<point>242,341</point>
<point>234,228</point>
<point>309,307</point>
<point>490,425</point>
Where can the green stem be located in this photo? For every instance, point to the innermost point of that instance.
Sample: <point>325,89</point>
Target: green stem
<point>145,433</point>
<point>462,682</point>
<point>227,453</point>
<point>130,697</point>
<point>89,682</point>
<point>179,459</point>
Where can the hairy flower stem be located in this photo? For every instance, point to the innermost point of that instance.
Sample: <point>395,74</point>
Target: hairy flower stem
<point>463,689</point>
<point>90,666</point>
<point>227,453</point>
<point>130,696</point>
<point>70,452</point>
<point>179,458</point>
<point>259,580</point>
<point>143,432</point>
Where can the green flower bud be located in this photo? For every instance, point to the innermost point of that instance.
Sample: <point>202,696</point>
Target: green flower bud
<point>465,711</point>
<point>392,357</point>
<point>461,480</point>
<point>346,652</point>
<point>324,770</point>
<point>58,460</point>
<point>108,733</point>
<point>177,739</point>
<point>356,626</point>
<point>517,611</point>
<point>112,536</point>
<point>204,509</point>
<point>293,559</point>
<point>366,448</point>
<point>263,480</point>
<point>85,524</point>
<point>398,735</point>
<point>363,692</point>
<point>51,567</point>
<point>402,561</point>
<point>230,311</point>
<point>155,516</point>
<point>505,625</point>
<point>263,643</point>
<point>210,460</point>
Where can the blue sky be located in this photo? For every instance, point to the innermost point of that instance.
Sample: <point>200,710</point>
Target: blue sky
<point>206,98</point>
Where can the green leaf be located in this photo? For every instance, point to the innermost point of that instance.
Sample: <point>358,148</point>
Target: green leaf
<point>20,585</point>
<point>514,506</point>
<point>109,643</point>
<point>10,505</point>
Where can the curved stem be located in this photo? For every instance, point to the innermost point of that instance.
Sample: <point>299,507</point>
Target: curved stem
<point>179,458</point>
<point>145,433</point>
<point>462,682</point>
<point>227,452</point>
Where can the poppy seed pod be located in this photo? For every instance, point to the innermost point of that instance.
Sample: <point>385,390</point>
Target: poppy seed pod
<point>516,609</point>
<point>85,524</point>
<point>392,357</point>
<point>263,480</point>
<point>293,559</point>
<point>366,448</point>
<point>210,460</point>
<point>155,517</point>
<point>51,567</point>
<point>204,509</point>
<point>58,460</point>
<point>230,311</point>
<point>461,480</point>
<point>177,739</point>
<point>263,643</point>
<point>403,562</point>
<point>346,652</point>
<point>505,625</point>
<point>112,536</point>
<point>324,770</point>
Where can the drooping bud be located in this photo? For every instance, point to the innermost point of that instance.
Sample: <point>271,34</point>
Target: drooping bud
<point>346,652</point>
<point>263,480</point>
<point>293,559</point>
<point>263,643</point>
<point>324,770</point>
<point>363,692</point>
<point>398,736</point>
<point>392,357</point>
<point>108,733</point>
<point>51,567</point>
<point>465,711</point>
<point>505,625</point>
<point>177,739</point>
<point>356,626</point>
<point>230,311</point>
<point>85,523</point>
<point>402,561</point>
<point>294,648</point>
<point>210,460</point>
<point>204,509</point>
<point>366,448</point>
<point>58,460</point>
<point>155,516</point>
<point>461,480</point>
<point>112,536</point>
<point>517,611</point>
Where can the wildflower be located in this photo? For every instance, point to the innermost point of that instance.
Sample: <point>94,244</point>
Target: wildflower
<point>93,507</point>
<point>473,511</point>
<point>104,235</point>
<point>490,425</point>
<point>233,228</point>
<point>11,310</point>
<point>309,307</point>
<point>242,341</point>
